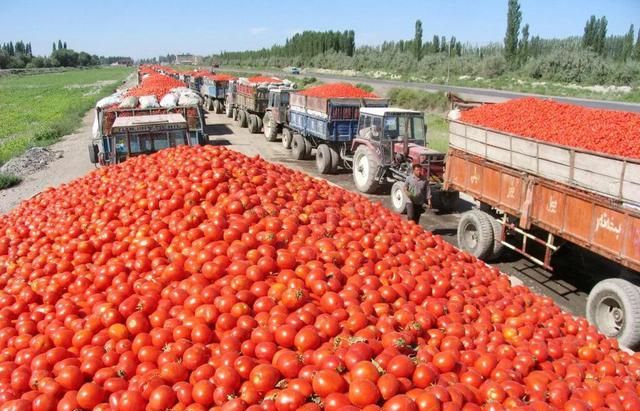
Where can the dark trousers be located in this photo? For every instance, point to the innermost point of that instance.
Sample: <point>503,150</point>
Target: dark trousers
<point>414,211</point>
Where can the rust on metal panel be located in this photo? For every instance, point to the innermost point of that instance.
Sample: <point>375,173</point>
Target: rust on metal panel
<point>548,206</point>
<point>632,239</point>
<point>511,191</point>
<point>491,184</point>
<point>474,178</point>
<point>578,221</point>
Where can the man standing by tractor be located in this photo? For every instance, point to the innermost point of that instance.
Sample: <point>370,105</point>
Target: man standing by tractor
<point>416,187</point>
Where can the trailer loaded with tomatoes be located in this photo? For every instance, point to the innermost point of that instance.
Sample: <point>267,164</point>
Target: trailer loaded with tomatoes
<point>248,98</point>
<point>545,174</point>
<point>160,112</point>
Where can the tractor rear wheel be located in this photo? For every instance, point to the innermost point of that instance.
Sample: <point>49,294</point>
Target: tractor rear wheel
<point>270,129</point>
<point>365,168</point>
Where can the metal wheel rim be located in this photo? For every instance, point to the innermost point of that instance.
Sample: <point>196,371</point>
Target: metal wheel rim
<point>609,316</point>
<point>319,157</point>
<point>470,236</point>
<point>397,198</point>
<point>362,170</point>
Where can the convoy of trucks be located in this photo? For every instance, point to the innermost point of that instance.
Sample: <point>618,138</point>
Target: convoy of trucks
<point>535,192</point>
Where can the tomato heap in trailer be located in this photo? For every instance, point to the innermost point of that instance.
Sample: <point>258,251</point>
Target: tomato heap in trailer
<point>199,278</point>
<point>604,131</point>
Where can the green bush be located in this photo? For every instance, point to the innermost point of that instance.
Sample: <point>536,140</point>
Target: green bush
<point>418,100</point>
<point>8,180</point>
<point>364,86</point>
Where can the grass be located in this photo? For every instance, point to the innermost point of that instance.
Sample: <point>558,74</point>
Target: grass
<point>437,132</point>
<point>366,87</point>
<point>36,110</point>
<point>8,180</point>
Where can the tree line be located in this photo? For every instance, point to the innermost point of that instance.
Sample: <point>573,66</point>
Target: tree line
<point>303,45</point>
<point>596,57</point>
<point>20,55</point>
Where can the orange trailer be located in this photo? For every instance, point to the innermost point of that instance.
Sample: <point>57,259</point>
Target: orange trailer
<point>549,194</point>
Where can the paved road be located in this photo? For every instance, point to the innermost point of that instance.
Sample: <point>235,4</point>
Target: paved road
<point>568,285</point>
<point>492,94</point>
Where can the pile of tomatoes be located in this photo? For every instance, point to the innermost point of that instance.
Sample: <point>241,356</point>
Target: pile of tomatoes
<point>337,90</point>
<point>155,84</point>
<point>605,131</point>
<point>201,279</point>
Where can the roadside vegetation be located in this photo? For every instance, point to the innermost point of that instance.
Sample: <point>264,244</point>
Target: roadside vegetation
<point>37,110</point>
<point>19,55</point>
<point>8,180</point>
<point>594,64</point>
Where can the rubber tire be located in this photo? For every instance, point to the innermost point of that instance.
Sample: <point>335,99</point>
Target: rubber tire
<point>259,122</point>
<point>370,185</point>
<point>307,149</point>
<point>335,159</point>
<point>445,201</point>
<point>228,110</point>
<point>484,232</point>
<point>398,198</point>
<point>323,159</point>
<point>243,118</point>
<point>627,295</point>
<point>217,107</point>
<point>287,138</point>
<point>236,115</point>
<point>252,123</point>
<point>498,247</point>
<point>207,103</point>
<point>298,147</point>
<point>270,129</point>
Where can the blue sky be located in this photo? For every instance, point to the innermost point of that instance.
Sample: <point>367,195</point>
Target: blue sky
<point>145,28</point>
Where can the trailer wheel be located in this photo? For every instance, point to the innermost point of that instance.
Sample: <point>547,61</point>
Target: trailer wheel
<point>475,234</point>
<point>270,129</point>
<point>217,107</point>
<point>207,103</point>
<point>228,110</point>
<point>398,198</point>
<point>307,149</point>
<point>613,306</point>
<point>446,201</point>
<point>323,159</point>
<point>365,168</point>
<point>259,122</point>
<point>498,247</point>
<point>243,118</point>
<point>287,138</point>
<point>335,159</point>
<point>252,122</point>
<point>236,114</point>
<point>298,147</point>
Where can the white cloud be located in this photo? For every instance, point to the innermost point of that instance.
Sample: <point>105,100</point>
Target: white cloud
<point>257,30</point>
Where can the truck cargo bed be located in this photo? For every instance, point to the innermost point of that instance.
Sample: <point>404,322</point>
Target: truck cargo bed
<point>615,177</point>
<point>322,128</point>
<point>596,222</point>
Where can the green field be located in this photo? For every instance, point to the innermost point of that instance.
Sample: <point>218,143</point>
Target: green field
<point>36,110</point>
